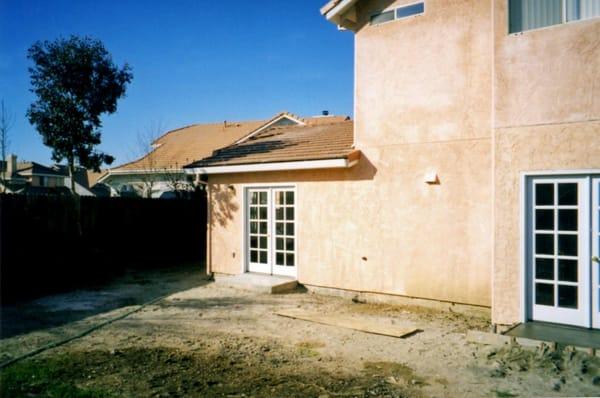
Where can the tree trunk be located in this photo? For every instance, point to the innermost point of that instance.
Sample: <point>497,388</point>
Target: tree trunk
<point>72,175</point>
<point>78,228</point>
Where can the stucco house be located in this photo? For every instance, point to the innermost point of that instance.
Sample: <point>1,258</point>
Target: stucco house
<point>470,175</point>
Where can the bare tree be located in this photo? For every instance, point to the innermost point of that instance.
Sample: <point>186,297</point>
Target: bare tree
<point>7,120</point>
<point>176,181</point>
<point>148,161</point>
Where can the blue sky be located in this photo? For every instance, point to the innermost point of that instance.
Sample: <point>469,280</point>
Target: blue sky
<point>193,61</point>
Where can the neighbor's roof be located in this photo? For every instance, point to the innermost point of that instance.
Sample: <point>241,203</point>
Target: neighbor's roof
<point>325,138</point>
<point>179,147</point>
<point>33,168</point>
<point>94,176</point>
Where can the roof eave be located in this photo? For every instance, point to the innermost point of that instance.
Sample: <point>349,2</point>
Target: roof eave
<point>335,163</point>
<point>341,13</point>
<point>110,173</point>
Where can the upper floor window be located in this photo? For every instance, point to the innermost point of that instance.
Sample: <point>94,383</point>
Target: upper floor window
<point>533,14</point>
<point>398,13</point>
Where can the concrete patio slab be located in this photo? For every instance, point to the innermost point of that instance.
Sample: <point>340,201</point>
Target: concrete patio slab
<point>271,284</point>
<point>536,332</point>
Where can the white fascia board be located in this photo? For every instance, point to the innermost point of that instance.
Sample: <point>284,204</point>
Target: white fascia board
<point>136,172</point>
<point>279,166</point>
<point>336,12</point>
<point>269,124</point>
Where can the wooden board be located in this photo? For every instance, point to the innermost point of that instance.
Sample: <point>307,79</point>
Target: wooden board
<point>347,322</point>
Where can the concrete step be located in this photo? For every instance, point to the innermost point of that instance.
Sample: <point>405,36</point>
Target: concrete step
<point>262,283</point>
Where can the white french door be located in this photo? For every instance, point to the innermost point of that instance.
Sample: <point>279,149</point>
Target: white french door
<point>271,230</point>
<point>563,238</point>
<point>595,209</point>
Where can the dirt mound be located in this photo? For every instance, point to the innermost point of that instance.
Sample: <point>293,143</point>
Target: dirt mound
<point>561,366</point>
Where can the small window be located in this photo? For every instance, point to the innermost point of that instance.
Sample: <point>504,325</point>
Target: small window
<point>43,181</point>
<point>413,9</point>
<point>398,13</point>
<point>382,17</point>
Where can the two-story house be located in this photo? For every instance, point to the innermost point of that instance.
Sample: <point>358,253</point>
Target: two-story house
<point>470,175</point>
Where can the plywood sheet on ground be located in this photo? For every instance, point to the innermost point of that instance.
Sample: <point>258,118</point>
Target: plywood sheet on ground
<point>360,324</point>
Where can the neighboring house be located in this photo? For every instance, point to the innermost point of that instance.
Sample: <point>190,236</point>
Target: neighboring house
<point>34,178</point>
<point>99,189</point>
<point>160,173</point>
<point>478,176</point>
<point>82,185</point>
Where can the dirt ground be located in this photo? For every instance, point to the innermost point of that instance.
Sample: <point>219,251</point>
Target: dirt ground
<point>209,340</point>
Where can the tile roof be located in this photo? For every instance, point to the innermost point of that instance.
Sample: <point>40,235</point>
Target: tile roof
<point>94,176</point>
<point>325,138</point>
<point>182,146</point>
<point>185,145</point>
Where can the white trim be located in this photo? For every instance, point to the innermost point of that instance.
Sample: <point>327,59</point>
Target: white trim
<point>395,13</point>
<point>524,179</point>
<point>27,175</point>
<point>139,171</point>
<point>336,12</point>
<point>523,200</point>
<point>595,237</point>
<point>574,172</point>
<point>278,166</point>
<point>269,124</point>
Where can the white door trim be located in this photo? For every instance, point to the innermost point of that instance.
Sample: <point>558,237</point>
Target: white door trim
<point>258,266</point>
<point>270,187</point>
<point>524,177</point>
<point>595,236</point>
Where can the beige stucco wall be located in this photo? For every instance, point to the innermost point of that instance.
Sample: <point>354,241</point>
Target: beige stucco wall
<point>419,240</point>
<point>423,103</point>
<point>547,117</point>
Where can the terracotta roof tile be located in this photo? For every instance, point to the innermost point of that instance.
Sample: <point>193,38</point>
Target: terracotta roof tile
<point>185,145</point>
<point>315,141</point>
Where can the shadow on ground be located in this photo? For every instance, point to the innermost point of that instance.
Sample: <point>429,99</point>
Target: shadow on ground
<point>134,288</point>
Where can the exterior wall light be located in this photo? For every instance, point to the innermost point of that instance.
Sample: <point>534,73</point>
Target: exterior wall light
<point>432,178</point>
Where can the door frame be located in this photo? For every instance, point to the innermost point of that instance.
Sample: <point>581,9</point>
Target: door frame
<point>244,260</point>
<point>524,230</point>
<point>595,285</point>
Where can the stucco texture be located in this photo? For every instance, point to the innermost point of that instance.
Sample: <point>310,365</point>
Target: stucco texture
<point>547,117</point>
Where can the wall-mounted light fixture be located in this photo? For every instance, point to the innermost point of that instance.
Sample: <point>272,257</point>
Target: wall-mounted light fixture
<point>432,178</point>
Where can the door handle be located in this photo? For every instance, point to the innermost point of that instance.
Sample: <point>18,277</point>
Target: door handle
<point>596,259</point>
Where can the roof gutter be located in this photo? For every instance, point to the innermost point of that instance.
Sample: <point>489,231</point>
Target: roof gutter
<point>341,163</point>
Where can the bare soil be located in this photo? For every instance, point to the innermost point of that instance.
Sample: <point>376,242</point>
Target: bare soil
<point>211,340</point>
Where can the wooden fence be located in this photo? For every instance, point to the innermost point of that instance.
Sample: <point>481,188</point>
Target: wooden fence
<point>53,243</point>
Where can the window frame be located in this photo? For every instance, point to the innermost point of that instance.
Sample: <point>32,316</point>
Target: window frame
<point>563,20</point>
<point>394,12</point>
